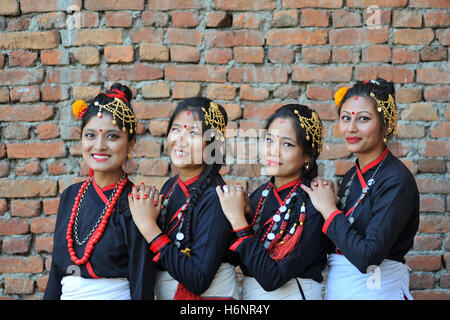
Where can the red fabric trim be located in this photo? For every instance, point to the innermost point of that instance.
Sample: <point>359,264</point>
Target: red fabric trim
<point>375,162</point>
<point>236,244</point>
<point>191,180</point>
<point>156,258</point>
<point>91,271</point>
<point>110,187</point>
<point>361,178</point>
<point>328,221</point>
<point>276,194</point>
<point>289,184</point>
<point>99,192</point>
<point>159,243</point>
<point>241,228</point>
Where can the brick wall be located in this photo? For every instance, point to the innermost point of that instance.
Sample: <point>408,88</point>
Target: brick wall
<point>249,55</point>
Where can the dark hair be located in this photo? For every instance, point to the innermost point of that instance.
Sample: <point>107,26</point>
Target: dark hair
<point>210,175</point>
<point>103,99</point>
<point>379,87</point>
<point>288,111</point>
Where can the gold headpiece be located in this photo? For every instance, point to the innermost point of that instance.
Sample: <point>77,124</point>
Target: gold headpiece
<point>313,129</point>
<point>119,109</point>
<point>215,119</point>
<point>389,113</point>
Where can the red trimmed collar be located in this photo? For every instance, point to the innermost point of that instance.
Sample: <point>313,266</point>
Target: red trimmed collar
<point>284,187</point>
<point>375,162</point>
<point>185,184</point>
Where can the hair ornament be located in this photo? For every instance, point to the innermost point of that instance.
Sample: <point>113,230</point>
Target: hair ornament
<point>215,119</point>
<point>120,110</point>
<point>339,96</point>
<point>313,129</point>
<point>79,108</point>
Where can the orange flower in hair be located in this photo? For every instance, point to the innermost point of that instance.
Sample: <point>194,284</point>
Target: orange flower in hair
<point>339,96</point>
<point>79,108</point>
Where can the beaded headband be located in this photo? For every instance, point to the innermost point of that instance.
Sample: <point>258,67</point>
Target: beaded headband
<point>215,118</point>
<point>313,129</point>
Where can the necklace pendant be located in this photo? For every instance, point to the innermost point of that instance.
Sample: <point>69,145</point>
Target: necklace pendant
<point>370,182</point>
<point>180,236</point>
<point>276,218</point>
<point>351,220</point>
<point>266,244</point>
<point>271,236</point>
<point>283,208</point>
<point>265,193</point>
<point>166,202</point>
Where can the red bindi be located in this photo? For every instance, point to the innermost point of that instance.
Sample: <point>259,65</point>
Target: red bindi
<point>101,130</point>
<point>185,126</point>
<point>356,98</point>
<point>282,121</point>
<point>188,113</point>
<point>353,113</point>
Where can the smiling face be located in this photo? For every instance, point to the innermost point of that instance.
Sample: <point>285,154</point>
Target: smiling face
<point>281,152</point>
<point>360,127</point>
<point>104,146</point>
<point>185,141</point>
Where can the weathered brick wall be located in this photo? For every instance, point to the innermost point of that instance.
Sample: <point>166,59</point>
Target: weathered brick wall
<point>249,55</point>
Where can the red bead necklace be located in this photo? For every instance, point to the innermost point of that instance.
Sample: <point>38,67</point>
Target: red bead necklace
<point>98,232</point>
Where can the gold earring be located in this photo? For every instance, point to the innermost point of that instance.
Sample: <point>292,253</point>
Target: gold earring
<point>129,155</point>
<point>307,165</point>
<point>384,139</point>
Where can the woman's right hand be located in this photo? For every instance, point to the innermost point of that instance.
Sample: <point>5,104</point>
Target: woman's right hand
<point>233,202</point>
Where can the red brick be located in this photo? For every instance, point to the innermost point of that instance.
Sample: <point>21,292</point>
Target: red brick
<point>334,151</point>
<point>9,8</point>
<point>404,55</point>
<point>43,225</point>
<point>218,56</point>
<point>25,94</point>
<point>343,18</point>
<point>431,165</point>
<point>390,73</point>
<point>54,57</point>
<point>296,36</point>
<point>407,19</point>
<point>314,18</point>
<point>435,148</point>
<point>433,54</point>
<point>119,54</point>
<point>102,5</point>
<point>410,131</point>
<point>29,169</point>
<point>118,19</point>
<point>258,74</point>
<point>137,72</point>
<point>408,95</point>
<point>147,35</point>
<point>22,58</point>
<point>281,55</point>
<point>245,5</point>
<point>341,167</point>
<point>44,244</point>
<point>246,20</point>
<point>427,242</point>
<point>442,130</point>
<point>413,37</point>
<point>430,295</point>
<point>11,264</point>
<point>430,4</point>
<point>437,19</point>
<point>36,112</point>
<point>247,170</point>
<point>432,204</point>
<point>18,285</point>
<point>3,206</point>
<point>183,90</point>
<point>260,111</point>
<point>221,39</point>
<point>158,128</point>
<point>29,40</point>
<point>14,77</point>
<point>35,150</point>
<point>436,186</point>
<point>50,206</point>
<point>154,167</point>
<point>184,19</point>
<point>340,55</point>
<point>153,52</point>
<point>57,168</point>
<point>164,5</point>
<point>249,54</point>
<point>317,92</point>
<point>297,4</point>
<point>96,37</point>
<point>155,90</point>
<point>155,19</point>
<point>28,6</point>
<point>421,281</point>
<point>221,92</point>
<point>433,75</point>
<point>234,112</point>
<point>184,54</point>
<point>380,3</point>
<point>146,148</point>
<point>13,227</point>
<point>153,110</point>
<point>322,74</point>
<point>435,93</point>
<point>195,73</point>
<point>316,55</point>
<point>377,54</point>
<point>68,75</point>
<point>87,55</point>
<point>424,263</point>
<point>19,24</point>
<point>286,18</point>
<point>354,36</point>
<point>16,245</point>
<point>248,92</point>
<point>218,20</point>
<point>286,92</point>
<point>47,131</point>
<point>184,36</point>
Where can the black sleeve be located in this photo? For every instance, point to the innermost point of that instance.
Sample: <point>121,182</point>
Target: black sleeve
<point>211,237</point>
<point>272,274</point>
<point>141,268</point>
<point>388,216</point>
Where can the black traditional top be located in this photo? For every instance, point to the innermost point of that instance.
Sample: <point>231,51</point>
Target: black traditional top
<point>121,252</point>
<point>306,260</point>
<point>384,223</point>
<point>211,236</point>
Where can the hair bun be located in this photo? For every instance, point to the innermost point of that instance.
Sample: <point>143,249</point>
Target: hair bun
<point>122,88</point>
<point>387,85</point>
